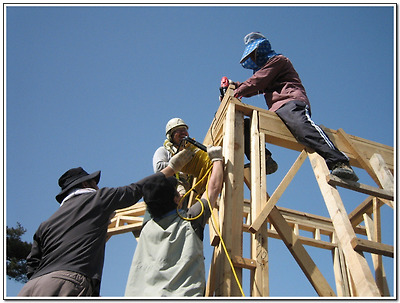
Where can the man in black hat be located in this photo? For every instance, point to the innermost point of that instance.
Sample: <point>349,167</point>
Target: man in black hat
<point>67,253</point>
<point>169,259</point>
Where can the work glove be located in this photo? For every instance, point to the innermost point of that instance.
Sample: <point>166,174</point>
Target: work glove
<point>181,159</point>
<point>215,153</point>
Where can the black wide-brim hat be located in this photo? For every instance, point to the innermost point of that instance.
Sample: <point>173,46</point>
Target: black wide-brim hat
<point>72,178</point>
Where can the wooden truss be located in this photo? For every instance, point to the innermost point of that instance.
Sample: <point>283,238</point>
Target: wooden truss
<point>262,218</point>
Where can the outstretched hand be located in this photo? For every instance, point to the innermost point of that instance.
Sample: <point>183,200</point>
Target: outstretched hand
<point>179,160</point>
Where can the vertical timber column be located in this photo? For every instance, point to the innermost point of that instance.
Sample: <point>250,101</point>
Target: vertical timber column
<point>259,240</point>
<point>364,283</point>
<point>231,202</point>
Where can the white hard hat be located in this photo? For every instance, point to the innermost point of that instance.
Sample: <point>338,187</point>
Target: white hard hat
<point>174,123</point>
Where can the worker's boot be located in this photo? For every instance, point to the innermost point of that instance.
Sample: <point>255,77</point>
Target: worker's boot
<point>271,165</point>
<point>344,171</point>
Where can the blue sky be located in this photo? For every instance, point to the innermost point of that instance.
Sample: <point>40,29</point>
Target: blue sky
<point>94,86</point>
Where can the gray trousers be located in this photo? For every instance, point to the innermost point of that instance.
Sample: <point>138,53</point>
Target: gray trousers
<point>58,284</point>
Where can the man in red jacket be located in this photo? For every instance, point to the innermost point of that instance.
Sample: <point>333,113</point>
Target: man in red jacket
<point>275,77</point>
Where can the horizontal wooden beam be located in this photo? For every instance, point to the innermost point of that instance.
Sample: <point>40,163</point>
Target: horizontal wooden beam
<point>278,134</point>
<point>241,262</point>
<point>372,247</point>
<point>306,241</point>
<point>362,188</point>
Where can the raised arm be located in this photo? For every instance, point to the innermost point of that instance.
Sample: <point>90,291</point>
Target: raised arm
<point>177,162</point>
<point>217,174</point>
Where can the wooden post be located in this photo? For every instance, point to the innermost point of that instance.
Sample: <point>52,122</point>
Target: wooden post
<point>382,171</point>
<point>231,202</point>
<point>259,240</point>
<point>374,234</point>
<point>340,271</point>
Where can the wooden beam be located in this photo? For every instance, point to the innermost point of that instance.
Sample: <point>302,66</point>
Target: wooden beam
<point>301,256</point>
<point>231,201</point>
<point>362,188</point>
<point>259,241</point>
<point>380,276</point>
<point>239,261</point>
<point>277,133</point>
<point>340,271</point>
<point>382,171</point>
<point>306,241</point>
<point>359,157</point>
<point>255,226</point>
<point>361,245</point>
<point>358,266</point>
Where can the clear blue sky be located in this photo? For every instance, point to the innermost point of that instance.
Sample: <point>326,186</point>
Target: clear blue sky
<point>94,86</point>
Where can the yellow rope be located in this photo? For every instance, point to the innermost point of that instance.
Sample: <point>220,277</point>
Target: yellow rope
<point>199,167</point>
<point>184,196</point>
<point>207,174</point>
<point>223,245</point>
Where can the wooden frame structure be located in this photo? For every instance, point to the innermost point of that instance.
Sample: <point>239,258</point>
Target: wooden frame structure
<point>262,218</point>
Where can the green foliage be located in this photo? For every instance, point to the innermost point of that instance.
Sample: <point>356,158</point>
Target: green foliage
<point>17,251</point>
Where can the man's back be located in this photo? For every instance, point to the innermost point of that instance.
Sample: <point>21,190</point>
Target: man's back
<point>168,260</point>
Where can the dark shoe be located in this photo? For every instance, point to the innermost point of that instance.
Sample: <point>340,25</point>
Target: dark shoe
<point>344,171</point>
<point>272,166</point>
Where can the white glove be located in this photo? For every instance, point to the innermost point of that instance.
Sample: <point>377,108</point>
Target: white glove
<point>181,159</point>
<point>215,153</point>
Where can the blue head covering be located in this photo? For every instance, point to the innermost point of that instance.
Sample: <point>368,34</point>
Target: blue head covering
<point>256,42</point>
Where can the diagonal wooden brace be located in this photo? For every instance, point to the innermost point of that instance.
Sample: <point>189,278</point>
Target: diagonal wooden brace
<point>259,221</point>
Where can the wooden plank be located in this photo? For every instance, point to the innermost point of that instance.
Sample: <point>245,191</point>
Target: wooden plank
<point>361,245</point>
<point>382,172</point>
<point>277,133</point>
<point>362,160</point>
<point>301,256</point>
<point>272,233</point>
<point>239,261</point>
<point>358,266</point>
<point>308,222</point>
<point>255,226</point>
<point>124,228</point>
<point>214,135</point>
<point>259,241</point>
<point>362,188</point>
<point>231,202</point>
<point>213,226</point>
<point>340,272</point>
<point>363,146</point>
<point>356,216</point>
<point>212,277</point>
<point>380,275</point>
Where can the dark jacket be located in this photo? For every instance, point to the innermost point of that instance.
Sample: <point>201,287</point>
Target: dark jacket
<point>74,237</point>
